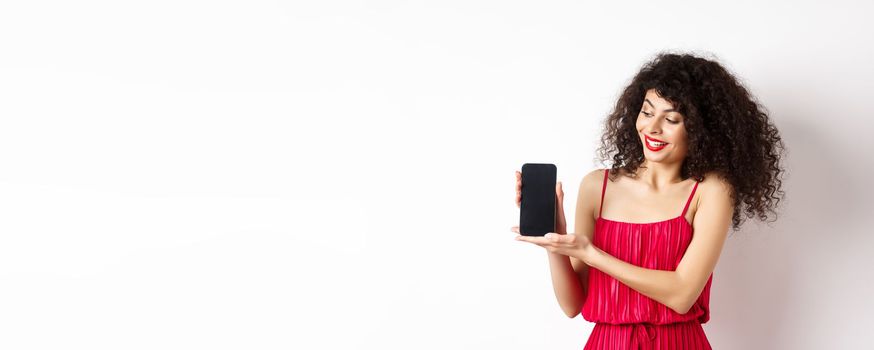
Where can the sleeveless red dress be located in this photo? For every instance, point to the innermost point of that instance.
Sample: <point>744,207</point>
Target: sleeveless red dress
<point>626,319</point>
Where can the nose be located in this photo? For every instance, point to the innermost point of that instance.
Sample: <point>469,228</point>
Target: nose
<point>655,126</point>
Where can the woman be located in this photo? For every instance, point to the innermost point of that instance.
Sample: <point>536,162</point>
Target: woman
<point>685,138</point>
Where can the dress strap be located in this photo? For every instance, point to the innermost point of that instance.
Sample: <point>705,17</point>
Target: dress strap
<point>604,188</point>
<point>690,199</point>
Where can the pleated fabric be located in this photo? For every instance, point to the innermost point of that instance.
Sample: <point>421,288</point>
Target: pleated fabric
<point>627,319</point>
<point>672,336</point>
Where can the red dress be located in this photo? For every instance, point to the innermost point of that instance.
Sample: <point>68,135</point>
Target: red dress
<point>626,319</point>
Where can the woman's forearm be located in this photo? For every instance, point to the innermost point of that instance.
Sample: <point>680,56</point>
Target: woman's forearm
<point>659,285</point>
<point>566,284</point>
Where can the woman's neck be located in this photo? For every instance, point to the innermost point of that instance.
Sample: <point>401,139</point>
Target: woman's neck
<point>659,175</point>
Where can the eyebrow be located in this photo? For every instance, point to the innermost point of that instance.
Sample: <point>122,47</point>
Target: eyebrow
<point>650,103</point>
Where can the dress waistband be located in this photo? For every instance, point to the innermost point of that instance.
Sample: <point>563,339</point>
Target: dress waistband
<point>643,335</point>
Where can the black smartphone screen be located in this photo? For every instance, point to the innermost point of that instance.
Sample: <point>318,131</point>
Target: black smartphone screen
<point>537,210</point>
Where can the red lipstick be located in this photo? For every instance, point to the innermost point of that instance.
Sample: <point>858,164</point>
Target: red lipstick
<point>652,147</point>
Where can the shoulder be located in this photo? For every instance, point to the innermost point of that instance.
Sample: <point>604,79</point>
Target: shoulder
<point>716,190</point>
<point>590,185</point>
<point>589,193</point>
<point>715,182</point>
<point>715,208</point>
<point>593,181</point>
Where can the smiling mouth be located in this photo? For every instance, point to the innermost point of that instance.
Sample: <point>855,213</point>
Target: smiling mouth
<point>654,145</point>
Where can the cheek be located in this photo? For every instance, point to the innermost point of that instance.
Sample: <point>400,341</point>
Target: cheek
<point>683,144</point>
<point>640,125</point>
<point>681,136</point>
<point>681,140</point>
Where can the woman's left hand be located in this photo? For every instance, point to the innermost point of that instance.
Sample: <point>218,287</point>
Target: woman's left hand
<point>558,242</point>
<point>577,246</point>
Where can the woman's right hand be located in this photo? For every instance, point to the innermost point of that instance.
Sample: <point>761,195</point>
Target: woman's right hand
<point>560,221</point>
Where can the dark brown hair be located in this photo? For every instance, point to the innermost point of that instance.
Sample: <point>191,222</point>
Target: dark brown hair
<point>729,132</point>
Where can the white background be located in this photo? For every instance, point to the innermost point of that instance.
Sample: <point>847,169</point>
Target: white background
<point>339,175</point>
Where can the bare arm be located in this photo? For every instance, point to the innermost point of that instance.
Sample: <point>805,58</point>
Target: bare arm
<point>570,275</point>
<point>565,284</point>
<point>680,289</point>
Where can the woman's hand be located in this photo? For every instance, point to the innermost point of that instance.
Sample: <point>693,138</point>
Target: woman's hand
<point>577,246</point>
<point>559,242</point>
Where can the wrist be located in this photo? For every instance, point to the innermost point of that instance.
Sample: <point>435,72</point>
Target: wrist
<point>593,256</point>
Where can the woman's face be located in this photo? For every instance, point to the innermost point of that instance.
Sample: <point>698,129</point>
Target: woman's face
<point>658,122</point>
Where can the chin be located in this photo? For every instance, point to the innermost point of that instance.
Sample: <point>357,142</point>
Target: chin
<point>659,156</point>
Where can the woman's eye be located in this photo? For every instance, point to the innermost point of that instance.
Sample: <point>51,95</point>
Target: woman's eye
<point>649,115</point>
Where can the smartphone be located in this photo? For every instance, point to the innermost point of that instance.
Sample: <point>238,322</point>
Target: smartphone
<point>537,210</point>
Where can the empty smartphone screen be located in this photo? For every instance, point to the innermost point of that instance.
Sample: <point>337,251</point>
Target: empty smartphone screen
<point>537,210</point>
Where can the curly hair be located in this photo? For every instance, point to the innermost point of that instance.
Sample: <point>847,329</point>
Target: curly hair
<point>729,132</point>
